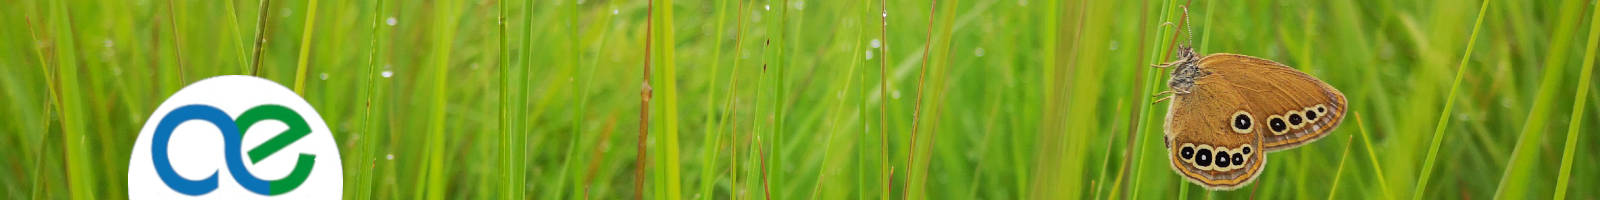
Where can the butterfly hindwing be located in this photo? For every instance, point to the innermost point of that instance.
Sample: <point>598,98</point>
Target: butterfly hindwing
<point>1212,140</point>
<point>1294,107</point>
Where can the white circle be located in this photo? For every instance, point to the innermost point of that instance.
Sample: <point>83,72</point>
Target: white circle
<point>195,149</point>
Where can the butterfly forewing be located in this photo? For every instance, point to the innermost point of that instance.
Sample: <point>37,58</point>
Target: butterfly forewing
<point>1293,107</point>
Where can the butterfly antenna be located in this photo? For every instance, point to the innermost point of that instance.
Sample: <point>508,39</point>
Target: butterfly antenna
<point>1187,25</point>
<point>1171,43</point>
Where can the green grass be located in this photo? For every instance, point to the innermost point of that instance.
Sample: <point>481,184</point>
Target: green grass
<point>807,99</point>
<point>1377,169</point>
<point>1449,105</point>
<point>305,50</point>
<point>365,155</point>
<point>1577,109</point>
<point>1339,172</point>
<point>1524,155</point>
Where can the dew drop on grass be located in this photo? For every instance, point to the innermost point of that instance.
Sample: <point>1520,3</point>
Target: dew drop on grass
<point>613,11</point>
<point>387,73</point>
<point>109,43</point>
<point>869,55</point>
<point>769,7</point>
<point>324,76</point>
<point>876,43</point>
<point>390,156</point>
<point>978,52</point>
<point>895,94</point>
<point>391,21</point>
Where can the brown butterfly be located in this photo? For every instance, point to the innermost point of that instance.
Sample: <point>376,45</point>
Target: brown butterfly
<point>1228,110</point>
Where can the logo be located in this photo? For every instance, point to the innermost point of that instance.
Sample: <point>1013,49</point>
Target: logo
<point>235,137</point>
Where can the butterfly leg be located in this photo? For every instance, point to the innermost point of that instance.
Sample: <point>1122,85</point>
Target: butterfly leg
<point>1165,95</point>
<point>1161,99</point>
<point>1168,92</point>
<point>1167,64</point>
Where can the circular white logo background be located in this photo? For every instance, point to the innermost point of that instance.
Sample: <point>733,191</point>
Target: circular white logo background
<point>279,146</point>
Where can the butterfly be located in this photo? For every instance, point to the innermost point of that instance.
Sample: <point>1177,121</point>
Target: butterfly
<point>1226,111</point>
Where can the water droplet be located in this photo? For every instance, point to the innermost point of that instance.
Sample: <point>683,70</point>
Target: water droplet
<point>391,21</point>
<point>390,156</point>
<point>876,43</point>
<point>978,52</point>
<point>799,5</point>
<point>1114,45</point>
<point>869,55</point>
<point>387,73</point>
<point>769,7</point>
<point>613,11</point>
<point>287,12</point>
<point>886,15</point>
<point>895,94</point>
<point>324,76</point>
<point>109,43</point>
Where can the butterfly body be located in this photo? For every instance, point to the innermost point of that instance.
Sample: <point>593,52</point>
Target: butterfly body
<point>1227,111</point>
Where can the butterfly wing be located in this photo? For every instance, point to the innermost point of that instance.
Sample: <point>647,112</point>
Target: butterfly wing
<point>1207,144</point>
<point>1296,108</point>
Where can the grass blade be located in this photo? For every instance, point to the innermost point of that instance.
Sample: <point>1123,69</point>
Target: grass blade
<point>305,48</point>
<point>1524,153</point>
<point>1449,105</point>
<point>883,108</point>
<point>233,24</point>
<point>71,103</point>
<point>261,36</point>
<point>1338,173</point>
<point>644,102</point>
<point>916,110</point>
<point>506,142</point>
<point>50,106</point>
<point>577,118</point>
<point>444,32</point>
<point>1578,102</point>
<point>669,101</point>
<point>177,39</point>
<point>1373,156</point>
<point>364,184</point>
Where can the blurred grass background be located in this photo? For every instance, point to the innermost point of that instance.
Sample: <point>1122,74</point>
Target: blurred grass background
<point>792,99</point>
